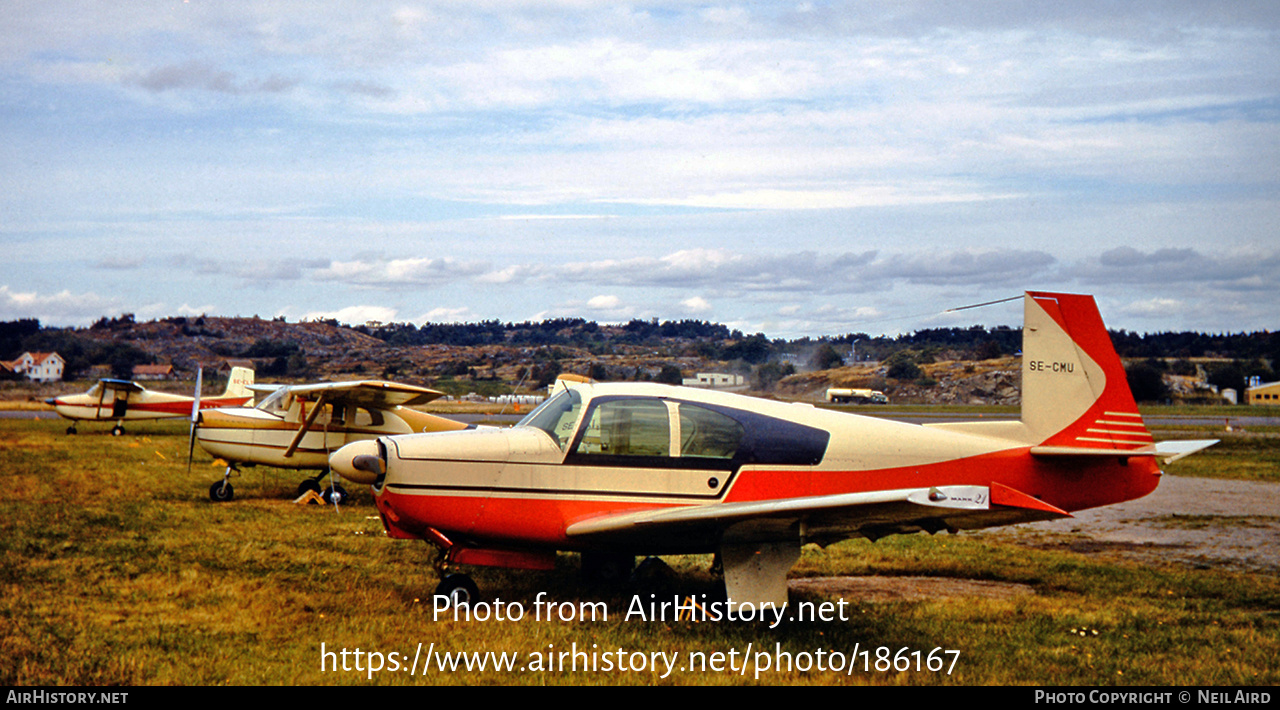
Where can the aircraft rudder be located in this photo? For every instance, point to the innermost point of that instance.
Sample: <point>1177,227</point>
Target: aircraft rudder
<point>1074,387</point>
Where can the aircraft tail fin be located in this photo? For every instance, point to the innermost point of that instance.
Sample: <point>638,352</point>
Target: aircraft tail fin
<point>238,383</point>
<point>1075,395</point>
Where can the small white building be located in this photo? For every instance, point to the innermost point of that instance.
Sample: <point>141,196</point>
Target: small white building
<point>714,380</point>
<point>41,367</point>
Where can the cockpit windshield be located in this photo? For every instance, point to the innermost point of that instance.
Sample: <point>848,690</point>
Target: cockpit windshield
<point>556,416</point>
<point>276,401</point>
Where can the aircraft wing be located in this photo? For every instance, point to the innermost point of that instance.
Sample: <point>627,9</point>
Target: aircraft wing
<point>823,519</point>
<point>377,394</point>
<point>126,385</point>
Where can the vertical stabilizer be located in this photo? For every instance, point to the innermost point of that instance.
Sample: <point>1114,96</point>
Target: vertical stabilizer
<point>1074,390</point>
<point>238,383</point>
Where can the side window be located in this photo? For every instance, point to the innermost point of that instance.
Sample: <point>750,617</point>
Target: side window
<point>367,417</point>
<point>708,434</point>
<point>628,427</point>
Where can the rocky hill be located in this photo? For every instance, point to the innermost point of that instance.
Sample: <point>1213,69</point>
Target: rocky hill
<point>996,381</point>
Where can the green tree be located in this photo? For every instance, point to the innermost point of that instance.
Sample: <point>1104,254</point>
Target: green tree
<point>1146,382</point>
<point>671,375</point>
<point>825,357</point>
<point>902,366</point>
<point>767,376</point>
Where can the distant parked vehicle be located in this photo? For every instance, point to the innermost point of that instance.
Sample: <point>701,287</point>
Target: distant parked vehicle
<point>838,395</point>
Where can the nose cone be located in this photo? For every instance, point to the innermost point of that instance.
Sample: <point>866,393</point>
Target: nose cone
<point>359,462</point>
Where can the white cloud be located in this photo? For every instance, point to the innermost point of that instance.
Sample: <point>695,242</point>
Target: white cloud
<point>603,303</point>
<point>386,273</point>
<point>355,315</point>
<point>1155,307</point>
<point>447,315</point>
<point>696,305</point>
<point>61,308</point>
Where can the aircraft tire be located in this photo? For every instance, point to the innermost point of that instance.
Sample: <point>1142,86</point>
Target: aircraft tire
<point>338,491</point>
<point>652,576</point>
<point>606,568</point>
<point>71,430</point>
<point>459,588</point>
<point>221,492</point>
<point>308,485</point>
<point>117,431</point>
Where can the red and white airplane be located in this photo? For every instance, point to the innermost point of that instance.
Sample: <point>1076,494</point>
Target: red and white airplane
<point>122,400</point>
<point>644,469</point>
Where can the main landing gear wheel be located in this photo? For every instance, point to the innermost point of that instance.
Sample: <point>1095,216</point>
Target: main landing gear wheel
<point>336,491</point>
<point>459,588</point>
<point>607,568</point>
<point>308,485</point>
<point>71,430</point>
<point>117,430</point>
<point>221,491</point>
<point>652,576</point>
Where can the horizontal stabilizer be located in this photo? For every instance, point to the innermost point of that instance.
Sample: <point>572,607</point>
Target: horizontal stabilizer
<point>1171,451</point>
<point>1168,450</point>
<point>1070,451</point>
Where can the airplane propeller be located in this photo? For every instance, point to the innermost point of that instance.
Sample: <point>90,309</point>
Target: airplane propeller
<point>195,417</point>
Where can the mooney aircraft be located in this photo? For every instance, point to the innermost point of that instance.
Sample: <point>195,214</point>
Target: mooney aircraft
<point>122,400</point>
<point>624,469</point>
<point>299,426</point>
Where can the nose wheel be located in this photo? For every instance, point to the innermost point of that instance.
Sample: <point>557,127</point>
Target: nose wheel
<point>335,494</point>
<point>332,493</point>
<point>221,491</point>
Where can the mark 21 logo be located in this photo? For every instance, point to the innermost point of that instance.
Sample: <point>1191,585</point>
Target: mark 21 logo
<point>1042,366</point>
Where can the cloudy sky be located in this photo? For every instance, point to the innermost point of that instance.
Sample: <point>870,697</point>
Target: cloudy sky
<point>796,168</point>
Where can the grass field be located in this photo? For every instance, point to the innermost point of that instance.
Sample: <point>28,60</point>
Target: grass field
<point>116,569</point>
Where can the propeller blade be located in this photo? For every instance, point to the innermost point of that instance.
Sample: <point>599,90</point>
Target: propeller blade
<point>334,481</point>
<point>195,399</point>
<point>195,417</point>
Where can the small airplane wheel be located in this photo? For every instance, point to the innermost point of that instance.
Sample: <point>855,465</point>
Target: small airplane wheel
<point>336,491</point>
<point>308,485</point>
<point>221,491</point>
<point>71,430</point>
<point>652,576</point>
<point>607,568</point>
<point>460,589</point>
<point>117,430</point>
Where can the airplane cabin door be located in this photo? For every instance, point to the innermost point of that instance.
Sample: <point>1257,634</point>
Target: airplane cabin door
<point>120,404</point>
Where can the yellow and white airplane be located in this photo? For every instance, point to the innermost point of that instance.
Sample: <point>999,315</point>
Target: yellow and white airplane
<point>298,426</point>
<point>122,400</point>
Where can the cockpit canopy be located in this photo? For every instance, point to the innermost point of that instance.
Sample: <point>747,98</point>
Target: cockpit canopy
<point>650,429</point>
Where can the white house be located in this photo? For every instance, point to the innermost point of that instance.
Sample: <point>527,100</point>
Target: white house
<point>42,367</point>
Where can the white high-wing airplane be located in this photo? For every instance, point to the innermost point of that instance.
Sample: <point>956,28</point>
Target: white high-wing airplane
<point>298,426</point>
<point>122,400</point>
<point>618,470</point>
